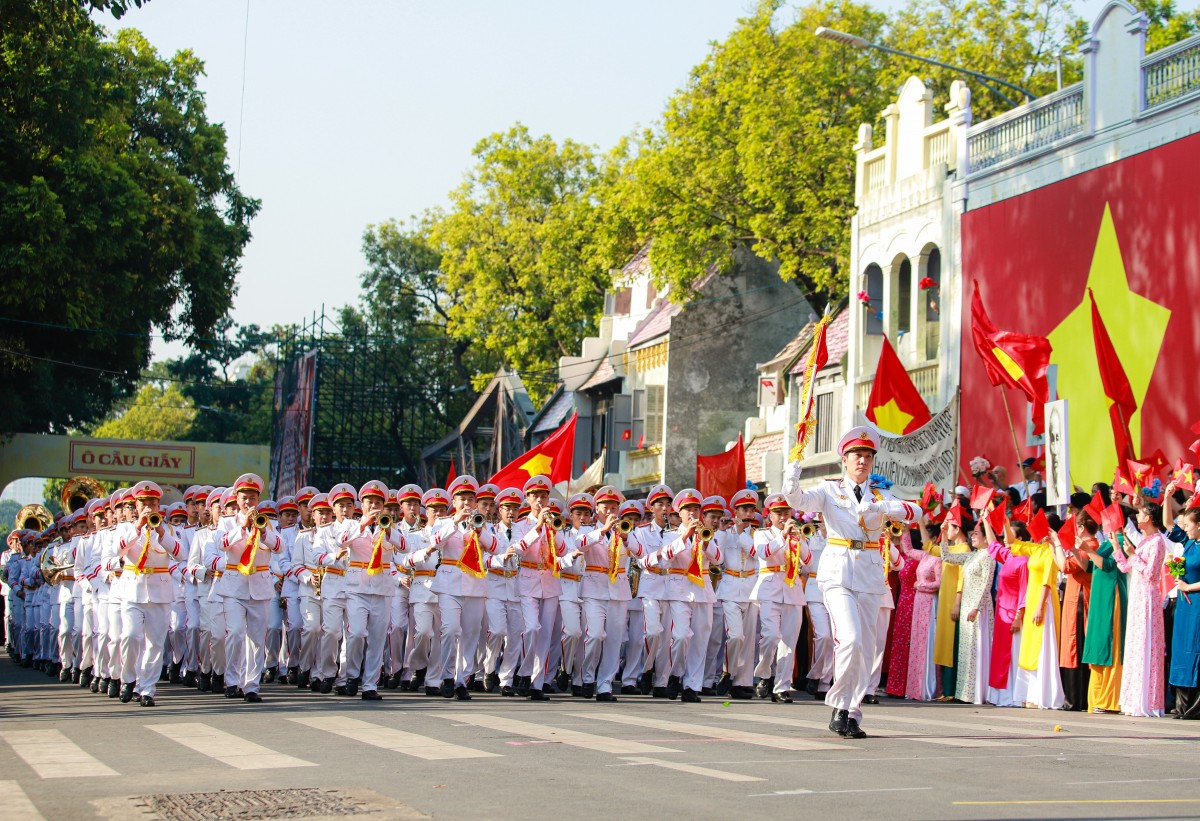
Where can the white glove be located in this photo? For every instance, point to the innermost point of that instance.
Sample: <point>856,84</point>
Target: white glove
<point>864,507</point>
<point>791,478</point>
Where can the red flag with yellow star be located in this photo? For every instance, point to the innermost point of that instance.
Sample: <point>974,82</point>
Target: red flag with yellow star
<point>1013,359</point>
<point>895,404</point>
<point>552,458</point>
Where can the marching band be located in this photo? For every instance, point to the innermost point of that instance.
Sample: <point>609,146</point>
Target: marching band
<point>474,588</point>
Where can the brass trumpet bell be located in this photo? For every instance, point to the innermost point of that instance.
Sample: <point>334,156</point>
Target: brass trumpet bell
<point>705,534</point>
<point>558,522</point>
<point>261,521</point>
<point>807,530</point>
<point>478,520</point>
<point>385,521</point>
<point>896,529</point>
<point>624,527</point>
<point>154,520</point>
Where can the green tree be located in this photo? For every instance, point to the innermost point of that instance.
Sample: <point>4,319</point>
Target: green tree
<point>1168,25</point>
<point>120,214</point>
<point>9,508</point>
<point>516,251</point>
<point>755,150</point>
<point>160,412</point>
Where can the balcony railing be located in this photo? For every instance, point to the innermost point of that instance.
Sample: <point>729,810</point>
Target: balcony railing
<point>1171,73</point>
<point>1028,129</point>
<point>924,377</point>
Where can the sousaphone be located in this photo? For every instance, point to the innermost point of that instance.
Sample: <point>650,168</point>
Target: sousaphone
<point>34,517</point>
<point>79,491</point>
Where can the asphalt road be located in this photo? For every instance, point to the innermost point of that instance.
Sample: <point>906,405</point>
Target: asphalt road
<point>68,754</point>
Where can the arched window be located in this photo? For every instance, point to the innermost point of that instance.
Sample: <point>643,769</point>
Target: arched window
<point>931,296</point>
<point>874,288</point>
<point>904,298</point>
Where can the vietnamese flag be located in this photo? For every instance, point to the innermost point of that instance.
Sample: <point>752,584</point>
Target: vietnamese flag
<point>895,405</point>
<point>1095,508</point>
<point>722,474</point>
<point>1183,475</point>
<point>1122,483</point>
<point>552,458</point>
<point>996,516</point>
<point>1122,405</point>
<point>980,496</point>
<point>1113,519</point>
<point>1013,359</point>
<point>1039,527</point>
<point>1142,474</point>
<point>1066,533</point>
<point>451,474</point>
<point>1023,512</point>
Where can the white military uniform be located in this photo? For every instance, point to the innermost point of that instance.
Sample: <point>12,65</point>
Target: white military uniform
<point>425,617</point>
<point>606,598</point>
<point>308,606</point>
<point>780,606</point>
<point>245,599</point>
<point>851,575</point>
<point>738,576</point>
<point>503,611</point>
<point>690,606</point>
<point>368,605</point>
<point>461,596</point>
<point>539,590</point>
<point>147,596</point>
<point>652,588</point>
<point>820,669</point>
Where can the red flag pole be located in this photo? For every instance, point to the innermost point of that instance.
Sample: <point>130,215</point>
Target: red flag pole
<point>1013,430</point>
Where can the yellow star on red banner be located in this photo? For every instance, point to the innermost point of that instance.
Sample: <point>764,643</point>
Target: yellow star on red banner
<point>538,465</point>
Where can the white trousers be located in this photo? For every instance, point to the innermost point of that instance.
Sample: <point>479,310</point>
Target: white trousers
<point>538,616</point>
<point>596,613</point>
<point>426,622</point>
<point>113,630</point>
<point>397,633</point>
<point>462,622</point>
<point>658,644</point>
<point>691,622</point>
<point>854,619</point>
<point>715,653</point>
<point>245,642</point>
<point>881,631</point>
<point>293,625</point>
<point>87,632</point>
<point>571,613</point>
<point>610,652</point>
<point>635,643</point>
<point>310,634</point>
<point>192,659</point>
<point>274,638</point>
<point>741,631</point>
<point>367,617</point>
<point>212,637</point>
<point>333,625</point>
<point>504,639</point>
<point>70,614</point>
<point>779,630</point>
<point>821,668</point>
<point>143,637</point>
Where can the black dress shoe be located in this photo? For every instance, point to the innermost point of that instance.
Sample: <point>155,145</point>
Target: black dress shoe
<point>605,697</point>
<point>646,683</point>
<point>126,693</point>
<point>741,693</point>
<point>165,675</point>
<point>137,698</point>
<point>461,693</point>
<point>293,676</point>
<point>507,692</point>
<point>781,698</point>
<point>303,681</point>
<point>176,674</point>
<point>690,696</point>
<point>811,687</point>
<point>589,690</point>
<point>838,723</point>
<point>253,698</point>
<point>371,695</point>
<point>114,688</point>
<point>537,695</point>
<point>491,682</point>
<point>576,691</point>
<point>340,690</point>
<point>764,687</point>
<point>231,692</point>
<point>853,730</point>
<point>433,691</point>
<point>204,684</point>
<point>870,699</point>
<point>447,688</point>
<point>562,681</point>
<point>476,686</point>
<point>393,681</point>
<point>659,692</point>
<point>95,685</point>
<point>708,691</point>
<point>148,701</point>
<point>630,690</point>
<point>77,676</point>
<point>674,687</point>
<point>65,675</point>
<point>352,687</point>
<point>724,684</point>
<point>327,686</point>
<point>189,678</point>
<point>418,680</point>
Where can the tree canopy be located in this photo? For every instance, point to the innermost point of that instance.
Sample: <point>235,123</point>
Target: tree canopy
<point>121,217</point>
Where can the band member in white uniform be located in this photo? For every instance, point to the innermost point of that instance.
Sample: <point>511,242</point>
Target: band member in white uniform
<point>851,576</point>
<point>343,499</point>
<point>605,593</point>
<point>421,558</point>
<point>652,588</point>
<point>306,568</point>
<point>779,590</point>
<point>741,614</point>
<point>504,602</point>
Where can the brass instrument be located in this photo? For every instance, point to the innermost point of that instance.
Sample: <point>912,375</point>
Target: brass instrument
<point>705,534</point>
<point>261,521</point>
<point>51,571</point>
<point>478,520</point>
<point>635,577</point>
<point>34,517</point>
<point>558,522</point>
<point>77,492</point>
<point>896,529</point>
<point>318,578</point>
<point>154,520</point>
<point>384,521</point>
<point>807,530</point>
<point>624,527</point>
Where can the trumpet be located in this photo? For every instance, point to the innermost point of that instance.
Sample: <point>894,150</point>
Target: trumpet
<point>808,530</point>
<point>558,522</point>
<point>624,527</point>
<point>896,529</point>
<point>154,520</point>
<point>261,521</point>
<point>478,520</point>
<point>384,521</point>
<point>704,534</point>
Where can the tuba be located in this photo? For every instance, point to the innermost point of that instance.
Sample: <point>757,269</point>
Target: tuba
<point>34,517</point>
<point>77,492</point>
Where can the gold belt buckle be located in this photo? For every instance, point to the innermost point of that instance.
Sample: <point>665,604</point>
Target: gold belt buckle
<point>857,544</point>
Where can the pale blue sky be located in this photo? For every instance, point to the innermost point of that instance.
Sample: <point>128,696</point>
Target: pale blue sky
<point>357,111</point>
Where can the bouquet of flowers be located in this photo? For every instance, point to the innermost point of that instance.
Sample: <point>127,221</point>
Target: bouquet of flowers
<point>1177,567</point>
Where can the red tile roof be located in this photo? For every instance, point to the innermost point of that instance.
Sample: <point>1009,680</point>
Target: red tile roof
<point>760,446</point>
<point>656,323</point>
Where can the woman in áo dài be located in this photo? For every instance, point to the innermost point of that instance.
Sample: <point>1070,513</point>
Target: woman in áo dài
<point>1185,639</point>
<point>1076,598</point>
<point>945,647</point>
<point>1038,659</point>
<point>1105,643</point>
<point>975,619</point>
<point>921,677</point>
<point>1011,586</point>
<point>1140,556</point>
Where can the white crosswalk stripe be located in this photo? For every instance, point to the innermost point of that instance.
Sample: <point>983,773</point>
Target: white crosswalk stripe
<point>721,733</point>
<point>17,806</point>
<point>225,747</point>
<point>873,732</point>
<point>52,755</point>
<point>694,769</point>
<point>545,732</point>
<point>417,746</point>
<point>960,726</point>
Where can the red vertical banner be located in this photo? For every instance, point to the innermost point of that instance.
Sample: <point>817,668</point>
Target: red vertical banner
<point>722,474</point>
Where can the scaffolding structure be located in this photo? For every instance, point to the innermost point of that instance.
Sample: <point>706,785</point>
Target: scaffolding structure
<point>351,407</point>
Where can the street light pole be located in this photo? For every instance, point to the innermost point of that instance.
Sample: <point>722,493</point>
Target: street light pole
<point>854,41</point>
